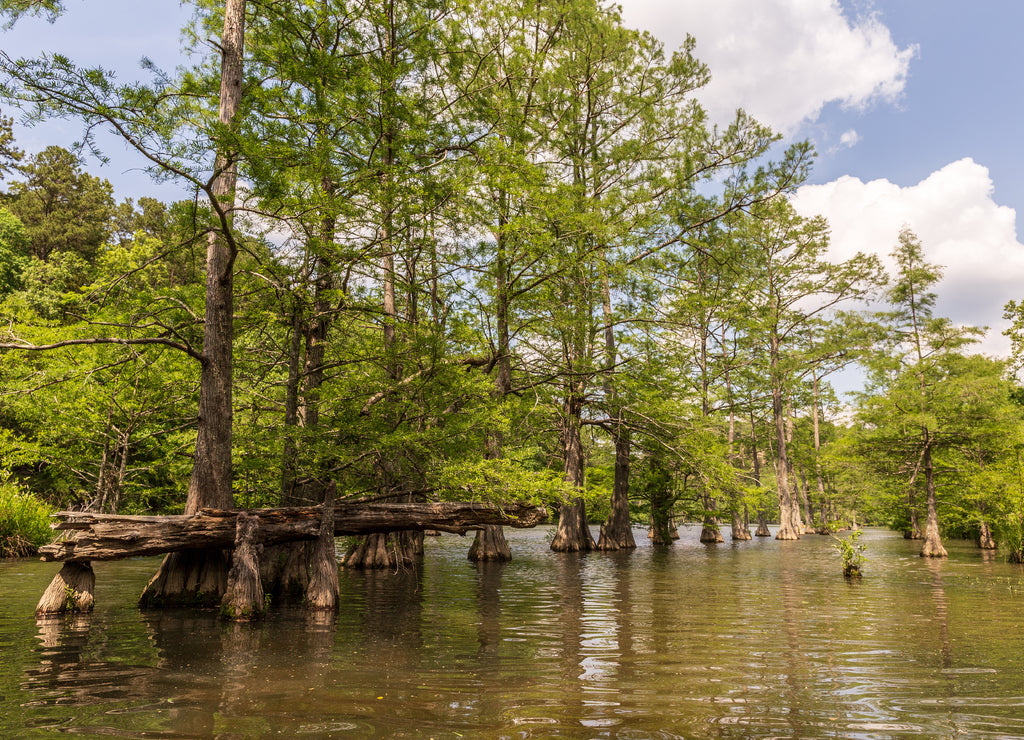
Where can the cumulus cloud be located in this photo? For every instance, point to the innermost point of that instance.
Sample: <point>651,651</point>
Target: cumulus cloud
<point>781,60</point>
<point>960,227</point>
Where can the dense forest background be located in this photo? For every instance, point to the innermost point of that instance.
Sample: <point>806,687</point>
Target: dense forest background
<point>475,251</point>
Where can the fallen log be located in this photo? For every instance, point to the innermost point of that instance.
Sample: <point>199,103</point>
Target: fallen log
<point>115,536</point>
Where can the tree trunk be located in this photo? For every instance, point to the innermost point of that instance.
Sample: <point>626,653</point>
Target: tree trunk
<point>762,526</point>
<point>243,598</point>
<point>789,518</point>
<point>490,545</point>
<point>322,593</point>
<point>985,539</point>
<point>762,517</point>
<point>740,528</point>
<point>932,542</point>
<point>113,537</point>
<point>572,534</point>
<point>710,533</point>
<point>915,532</point>
<point>71,590</point>
<point>739,525</point>
<point>616,532</point>
<point>290,448</point>
<point>286,567</point>
<point>386,550</point>
<point>805,500</point>
<point>211,482</point>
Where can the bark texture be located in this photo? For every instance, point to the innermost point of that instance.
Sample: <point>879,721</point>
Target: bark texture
<point>710,534</point>
<point>932,547</point>
<point>740,529</point>
<point>322,593</point>
<point>210,484</point>
<point>616,531</point>
<point>381,551</point>
<point>762,526</point>
<point>490,545</point>
<point>185,578</point>
<point>573,534</point>
<point>71,590</point>
<point>243,598</point>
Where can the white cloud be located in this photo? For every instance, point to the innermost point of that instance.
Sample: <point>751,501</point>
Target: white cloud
<point>781,60</point>
<point>959,224</point>
<point>849,139</point>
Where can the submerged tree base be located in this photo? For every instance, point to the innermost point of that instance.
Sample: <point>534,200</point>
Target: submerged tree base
<point>71,590</point>
<point>243,597</point>
<point>573,534</point>
<point>390,551</point>
<point>710,534</point>
<point>188,578</point>
<point>490,545</point>
<point>616,535</point>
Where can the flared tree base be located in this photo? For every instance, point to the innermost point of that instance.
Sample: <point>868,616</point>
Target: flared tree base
<point>188,578</point>
<point>490,545</point>
<point>71,590</point>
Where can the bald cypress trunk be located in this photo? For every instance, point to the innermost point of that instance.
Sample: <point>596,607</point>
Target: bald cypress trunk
<point>616,532</point>
<point>489,544</point>
<point>932,541</point>
<point>710,533</point>
<point>572,534</point>
<point>202,577</point>
<point>71,590</point>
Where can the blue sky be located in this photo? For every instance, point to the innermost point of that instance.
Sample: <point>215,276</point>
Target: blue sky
<point>915,108</point>
<point>964,97</point>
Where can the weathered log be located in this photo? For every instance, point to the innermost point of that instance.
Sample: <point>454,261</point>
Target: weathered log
<point>243,599</point>
<point>71,590</point>
<point>115,536</point>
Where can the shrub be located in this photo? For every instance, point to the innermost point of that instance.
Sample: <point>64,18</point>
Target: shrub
<point>24,521</point>
<point>851,552</point>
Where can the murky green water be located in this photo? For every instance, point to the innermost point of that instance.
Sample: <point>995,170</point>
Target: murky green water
<point>754,640</point>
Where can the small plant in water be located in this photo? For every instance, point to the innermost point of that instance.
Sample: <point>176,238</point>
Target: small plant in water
<point>852,553</point>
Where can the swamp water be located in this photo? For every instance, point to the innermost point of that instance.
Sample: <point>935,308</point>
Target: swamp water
<point>758,639</point>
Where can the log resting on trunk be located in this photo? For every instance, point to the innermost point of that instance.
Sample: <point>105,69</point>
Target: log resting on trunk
<point>112,536</point>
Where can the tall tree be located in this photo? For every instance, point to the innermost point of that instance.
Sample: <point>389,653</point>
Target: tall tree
<point>63,208</point>
<point>908,378</point>
<point>794,293</point>
<point>202,575</point>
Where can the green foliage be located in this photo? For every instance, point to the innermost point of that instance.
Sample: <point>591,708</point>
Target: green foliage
<point>9,154</point>
<point>851,552</point>
<point>63,209</point>
<point>24,520</point>
<point>504,479</point>
<point>13,244</point>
